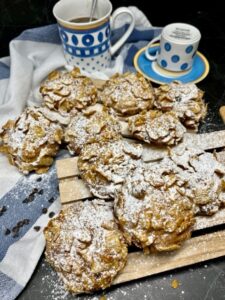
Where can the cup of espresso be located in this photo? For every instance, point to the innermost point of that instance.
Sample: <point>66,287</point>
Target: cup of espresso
<point>86,42</point>
<point>178,46</point>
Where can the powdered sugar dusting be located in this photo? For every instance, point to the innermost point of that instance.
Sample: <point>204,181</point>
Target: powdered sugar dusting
<point>85,246</point>
<point>65,91</point>
<point>152,209</point>
<point>105,166</point>
<point>184,99</point>
<point>183,92</point>
<point>127,94</point>
<point>205,177</point>
<point>32,140</point>
<point>91,127</point>
<point>156,127</point>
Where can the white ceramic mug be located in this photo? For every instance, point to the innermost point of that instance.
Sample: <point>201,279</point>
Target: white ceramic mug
<point>87,44</point>
<point>178,45</point>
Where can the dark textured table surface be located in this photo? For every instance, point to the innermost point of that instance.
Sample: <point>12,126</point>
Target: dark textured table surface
<point>202,281</point>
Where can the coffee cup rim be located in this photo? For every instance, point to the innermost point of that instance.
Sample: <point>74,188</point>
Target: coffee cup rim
<point>195,39</point>
<point>95,22</point>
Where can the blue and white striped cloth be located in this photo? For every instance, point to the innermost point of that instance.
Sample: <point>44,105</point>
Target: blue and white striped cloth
<point>24,200</point>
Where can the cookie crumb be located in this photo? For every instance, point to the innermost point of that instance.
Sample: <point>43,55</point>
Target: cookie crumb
<point>175,284</point>
<point>103,298</point>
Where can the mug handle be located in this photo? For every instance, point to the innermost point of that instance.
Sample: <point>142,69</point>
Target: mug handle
<point>149,56</point>
<point>122,40</point>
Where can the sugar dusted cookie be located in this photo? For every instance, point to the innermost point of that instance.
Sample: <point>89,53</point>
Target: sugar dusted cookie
<point>127,94</point>
<point>85,247</point>
<point>185,99</point>
<point>105,166</point>
<point>205,176</point>
<point>91,127</point>
<point>68,91</point>
<point>152,209</point>
<point>156,127</point>
<point>31,141</point>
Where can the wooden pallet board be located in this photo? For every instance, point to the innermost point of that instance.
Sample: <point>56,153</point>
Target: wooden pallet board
<point>197,249</point>
<point>193,251</point>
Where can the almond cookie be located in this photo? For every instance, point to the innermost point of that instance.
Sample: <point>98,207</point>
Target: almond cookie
<point>185,99</point>
<point>31,141</point>
<point>127,94</point>
<point>85,247</point>
<point>91,127</point>
<point>104,166</point>
<point>157,127</point>
<point>152,209</point>
<point>68,91</point>
<point>205,176</point>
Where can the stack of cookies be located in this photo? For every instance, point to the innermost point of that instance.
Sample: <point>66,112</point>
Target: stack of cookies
<point>156,116</point>
<point>150,206</point>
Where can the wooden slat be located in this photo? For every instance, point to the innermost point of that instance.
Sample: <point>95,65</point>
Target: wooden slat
<point>73,189</point>
<point>98,82</point>
<point>195,250</point>
<point>203,222</point>
<point>220,156</point>
<point>206,141</point>
<point>67,167</point>
<point>222,113</point>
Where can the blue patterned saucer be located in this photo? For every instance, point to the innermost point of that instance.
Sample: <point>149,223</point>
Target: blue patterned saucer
<point>152,71</point>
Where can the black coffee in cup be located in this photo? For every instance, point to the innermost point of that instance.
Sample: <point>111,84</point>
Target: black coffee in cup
<point>82,20</point>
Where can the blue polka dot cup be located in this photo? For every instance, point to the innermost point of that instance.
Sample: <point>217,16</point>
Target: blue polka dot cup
<point>87,43</point>
<point>178,46</point>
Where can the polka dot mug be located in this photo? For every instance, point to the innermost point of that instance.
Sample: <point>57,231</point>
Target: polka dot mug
<point>178,46</point>
<point>87,43</point>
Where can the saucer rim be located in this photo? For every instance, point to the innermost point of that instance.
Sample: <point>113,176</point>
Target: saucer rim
<point>203,76</point>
